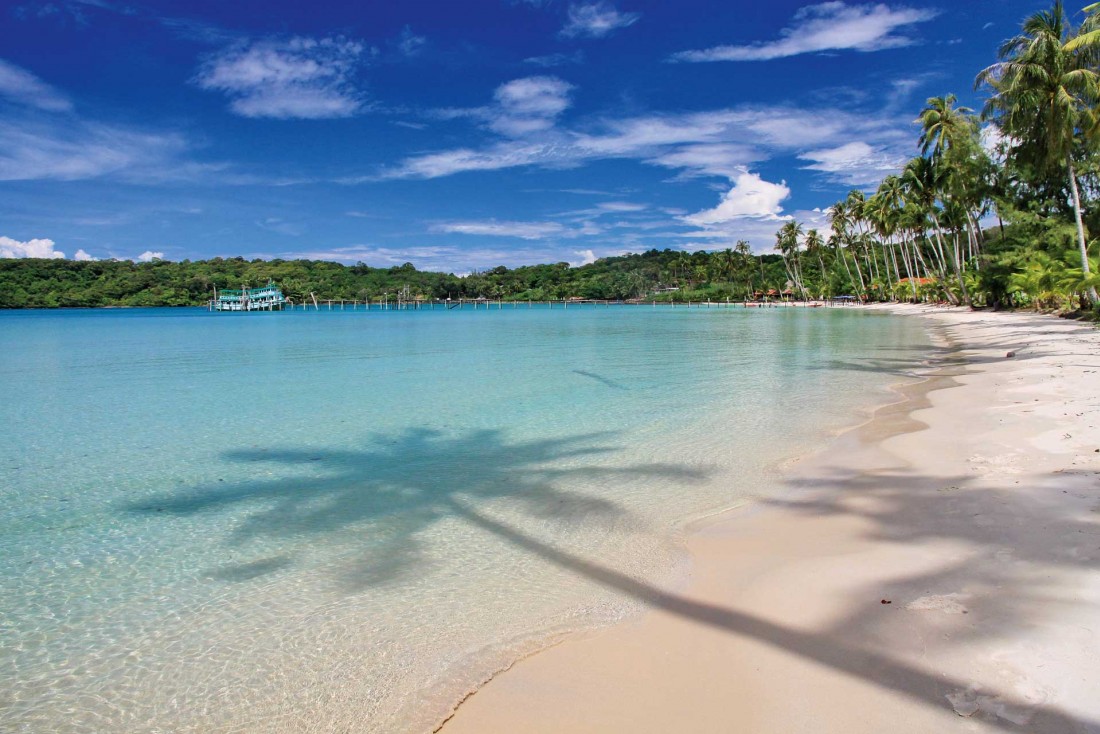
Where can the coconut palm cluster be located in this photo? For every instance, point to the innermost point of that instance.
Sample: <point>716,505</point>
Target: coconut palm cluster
<point>998,207</point>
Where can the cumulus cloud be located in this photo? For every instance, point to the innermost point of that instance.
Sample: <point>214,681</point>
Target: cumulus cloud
<point>494,228</point>
<point>750,198</point>
<point>41,248</point>
<point>829,26</point>
<point>149,256</point>
<point>83,256</point>
<point>302,78</point>
<point>587,258</point>
<point>24,88</point>
<point>595,20</point>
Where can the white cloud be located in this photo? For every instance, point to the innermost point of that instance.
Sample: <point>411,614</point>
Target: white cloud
<point>595,20</point>
<point>759,233</point>
<point>709,159</point>
<point>750,198</point>
<point>528,105</point>
<point>410,44</point>
<point>448,162</point>
<point>149,256</point>
<point>558,59</point>
<point>855,163</point>
<point>23,87</point>
<point>41,248</point>
<point>494,228</point>
<point>83,256</point>
<point>587,258</point>
<point>621,206</point>
<point>302,78</point>
<point>992,141</point>
<point>33,149</point>
<point>707,143</point>
<point>829,26</point>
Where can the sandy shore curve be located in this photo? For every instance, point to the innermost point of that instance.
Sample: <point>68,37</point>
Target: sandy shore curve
<point>936,569</point>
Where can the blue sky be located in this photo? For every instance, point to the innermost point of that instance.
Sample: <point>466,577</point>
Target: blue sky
<point>459,135</point>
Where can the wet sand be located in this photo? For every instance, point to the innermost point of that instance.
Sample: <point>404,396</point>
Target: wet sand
<point>936,569</point>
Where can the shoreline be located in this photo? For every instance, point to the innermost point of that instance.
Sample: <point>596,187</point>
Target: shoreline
<point>942,576</point>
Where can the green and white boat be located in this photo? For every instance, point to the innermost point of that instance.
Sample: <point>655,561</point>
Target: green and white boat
<point>264,298</point>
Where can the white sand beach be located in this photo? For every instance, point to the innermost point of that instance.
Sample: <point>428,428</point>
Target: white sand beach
<point>936,569</point>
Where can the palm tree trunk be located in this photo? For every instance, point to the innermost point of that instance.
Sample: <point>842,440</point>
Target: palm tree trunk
<point>976,253</point>
<point>862,285</point>
<point>897,273</point>
<point>1094,299</point>
<point>908,270</point>
<point>943,259</point>
<point>918,259</point>
<point>844,259</point>
<point>956,255</point>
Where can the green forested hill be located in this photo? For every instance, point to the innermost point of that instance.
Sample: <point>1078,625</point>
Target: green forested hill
<point>31,283</point>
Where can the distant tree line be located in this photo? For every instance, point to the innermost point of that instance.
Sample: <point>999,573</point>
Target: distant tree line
<point>658,274</point>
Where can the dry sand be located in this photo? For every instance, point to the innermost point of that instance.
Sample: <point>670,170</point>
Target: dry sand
<point>972,507</point>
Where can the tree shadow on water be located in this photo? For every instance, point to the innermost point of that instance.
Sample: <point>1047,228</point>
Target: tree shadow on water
<point>381,499</point>
<point>401,485</point>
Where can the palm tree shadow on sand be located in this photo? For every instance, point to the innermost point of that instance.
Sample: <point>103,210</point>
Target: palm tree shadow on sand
<point>408,482</point>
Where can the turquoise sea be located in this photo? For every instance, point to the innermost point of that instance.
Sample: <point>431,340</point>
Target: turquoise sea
<point>337,521</point>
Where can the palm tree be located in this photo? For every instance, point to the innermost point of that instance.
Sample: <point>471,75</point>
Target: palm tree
<point>943,125</point>
<point>1044,94</point>
<point>840,221</point>
<point>786,242</point>
<point>927,181</point>
<point>815,246</point>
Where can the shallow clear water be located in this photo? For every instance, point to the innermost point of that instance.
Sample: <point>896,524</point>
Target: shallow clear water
<point>337,520</point>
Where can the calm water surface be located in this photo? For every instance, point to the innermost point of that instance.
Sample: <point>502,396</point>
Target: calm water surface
<point>336,520</point>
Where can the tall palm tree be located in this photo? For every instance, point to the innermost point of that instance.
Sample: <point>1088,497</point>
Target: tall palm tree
<point>786,242</point>
<point>927,181</point>
<point>942,125</point>
<point>840,221</point>
<point>815,247</point>
<point>1044,95</point>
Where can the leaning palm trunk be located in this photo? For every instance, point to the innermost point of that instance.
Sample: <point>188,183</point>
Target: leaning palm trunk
<point>956,255</point>
<point>908,270</point>
<point>1094,299</point>
<point>790,274</point>
<point>844,259</point>
<point>976,240</point>
<point>926,269</point>
<point>862,285</point>
<point>943,260</point>
<point>918,258</point>
<point>897,273</point>
<point>801,282</point>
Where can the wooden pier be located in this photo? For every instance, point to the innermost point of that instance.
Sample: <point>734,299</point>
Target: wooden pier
<point>482,304</point>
